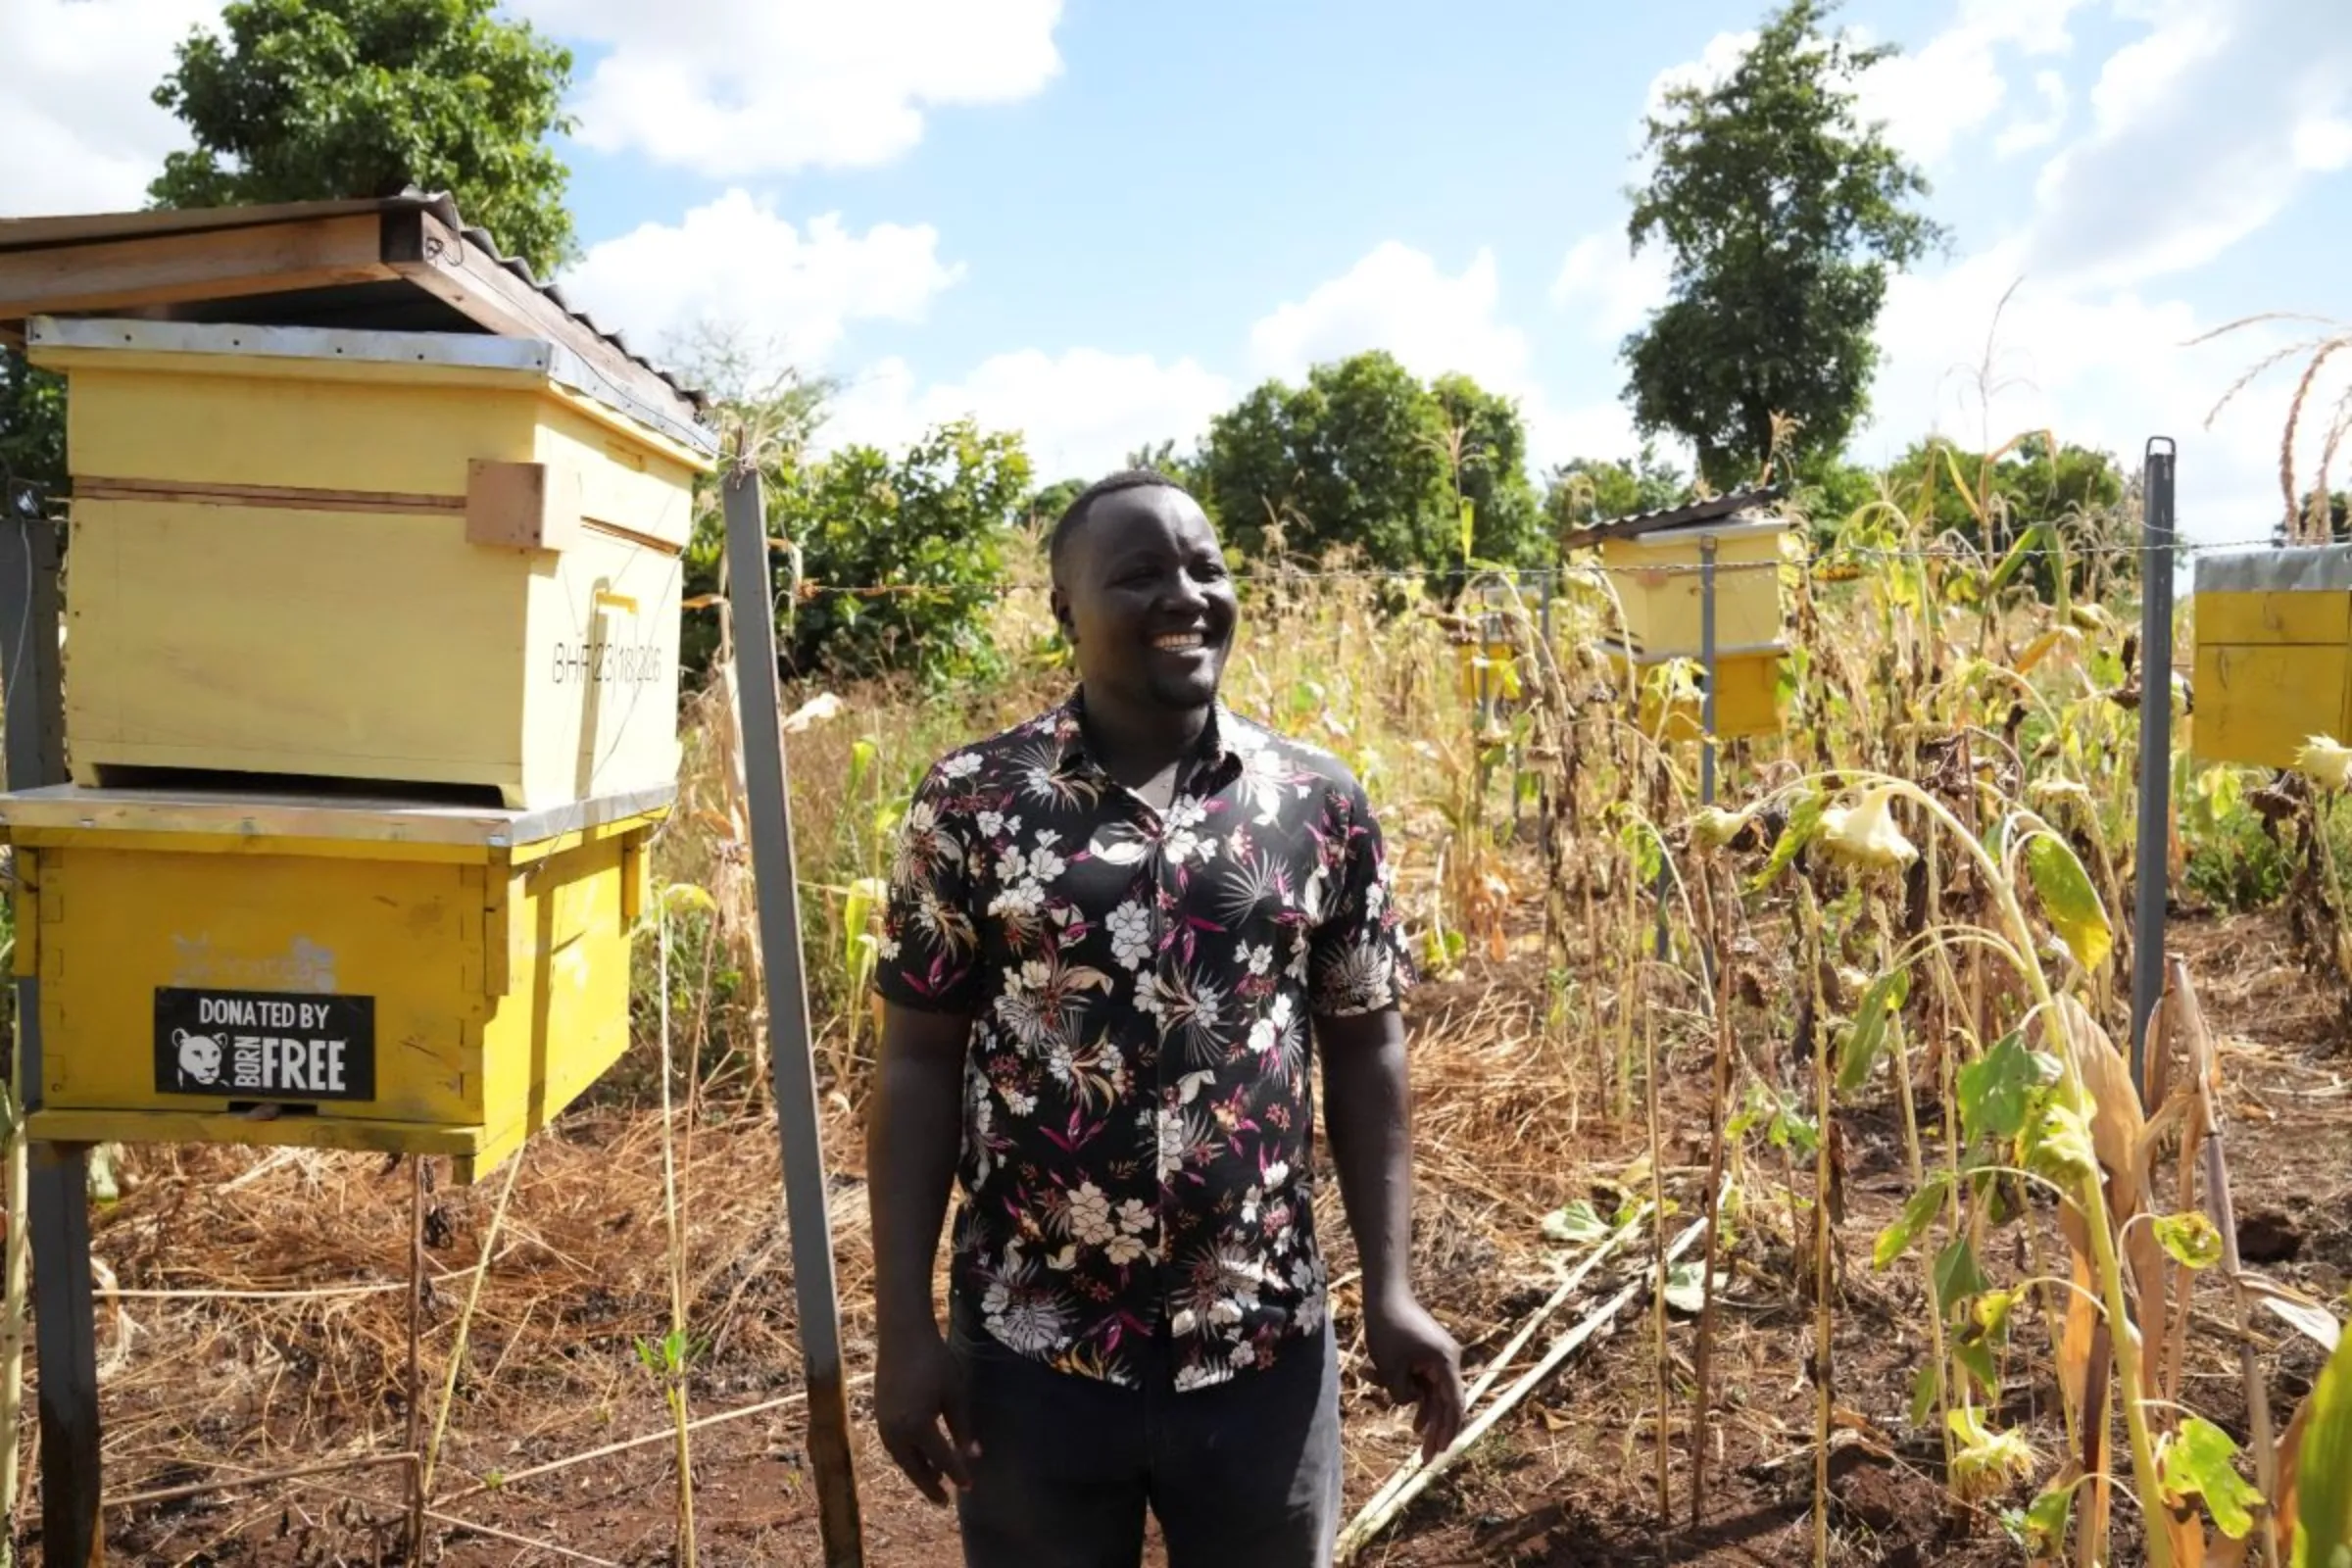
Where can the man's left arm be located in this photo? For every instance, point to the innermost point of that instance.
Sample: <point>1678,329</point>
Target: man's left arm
<point>1358,973</point>
<point>1366,1111</point>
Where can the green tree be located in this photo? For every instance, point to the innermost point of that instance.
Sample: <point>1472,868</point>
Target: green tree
<point>1991,500</point>
<point>1486,453</point>
<point>1584,491</point>
<point>2337,515</point>
<point>1363,455</point>
<point>1043,508</point>
<point>930,527</point>
<point>1781,216</point>
<point>32,429</point>
<point>325,98</point>
<point>771,414</point>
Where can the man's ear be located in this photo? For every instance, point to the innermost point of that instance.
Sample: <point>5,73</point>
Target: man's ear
<point>1061,617</point>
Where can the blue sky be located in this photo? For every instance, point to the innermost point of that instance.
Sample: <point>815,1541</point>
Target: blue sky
<point>1103,221</point>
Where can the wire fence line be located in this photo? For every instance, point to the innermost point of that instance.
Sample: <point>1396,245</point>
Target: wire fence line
<point>1817,564</point>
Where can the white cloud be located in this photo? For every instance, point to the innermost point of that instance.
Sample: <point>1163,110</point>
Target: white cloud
<point>1081,413</point>
<point>2100,366</point>
<point>734,262</point>
<point>1399,299</point>
<point>77,131</point>
<point>2028,131</point>
<point>1616,287</point>
<point>2322,144</point>
<point>733,88</point>
<point>2205,128</point>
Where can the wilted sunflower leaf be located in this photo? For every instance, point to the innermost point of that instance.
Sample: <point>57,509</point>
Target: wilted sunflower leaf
<point>2200,1458</point>
<point>1921,1209</point>
<point>2069,899</point>
<point>1996,1089</point>
<point>1576,1223</point>
<point>1885,996</point>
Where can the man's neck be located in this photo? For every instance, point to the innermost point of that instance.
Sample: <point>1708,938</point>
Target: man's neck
<point>1138,745</point>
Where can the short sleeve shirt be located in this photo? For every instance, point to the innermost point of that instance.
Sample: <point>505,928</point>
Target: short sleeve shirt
<point>1138,1121</point>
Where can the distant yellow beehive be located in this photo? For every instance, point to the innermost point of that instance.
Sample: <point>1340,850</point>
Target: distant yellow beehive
<point>1653,566</point>
<point>1657,579</point>
<point>1747,692</point>
<point>402,558</point>
<point>2272,629</point>
<point>335,974</point>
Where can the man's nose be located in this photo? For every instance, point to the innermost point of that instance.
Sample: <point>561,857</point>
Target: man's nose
<point>1183,594</point>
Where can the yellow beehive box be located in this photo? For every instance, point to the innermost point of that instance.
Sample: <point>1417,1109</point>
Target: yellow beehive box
<point>330,973</point>
<point>1747,692</point>
<point>1657,579</point>
<point>400,557</point>
<point>2272,629</point>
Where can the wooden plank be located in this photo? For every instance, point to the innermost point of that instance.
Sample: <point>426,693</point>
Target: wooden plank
<point>294,497</point>
<point>67,1124</point>
<point>102,275</point>
<point>428,253</point>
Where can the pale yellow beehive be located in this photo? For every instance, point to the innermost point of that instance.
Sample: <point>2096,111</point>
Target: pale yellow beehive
<point>1658,580</point>
<point>400,557</point>
<point>2273,653</point>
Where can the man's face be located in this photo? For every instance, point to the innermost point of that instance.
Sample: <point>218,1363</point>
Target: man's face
<point>1146,600</point>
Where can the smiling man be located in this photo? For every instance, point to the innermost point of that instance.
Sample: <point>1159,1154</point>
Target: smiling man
<point>1120,938</point>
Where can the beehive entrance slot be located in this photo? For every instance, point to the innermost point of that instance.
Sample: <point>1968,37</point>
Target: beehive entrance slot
<point>236,785</point>
<point>272,1109</point>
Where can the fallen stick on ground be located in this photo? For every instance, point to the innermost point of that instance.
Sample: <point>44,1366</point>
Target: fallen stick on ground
<point>1377,1516</point>
<point>665,1434</point>
<point>1502,1359</point>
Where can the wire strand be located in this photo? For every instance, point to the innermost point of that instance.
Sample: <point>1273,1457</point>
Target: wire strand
<point>1816,565</point>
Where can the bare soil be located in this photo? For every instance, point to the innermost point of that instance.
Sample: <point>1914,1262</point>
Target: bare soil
<point>1569,1478</point>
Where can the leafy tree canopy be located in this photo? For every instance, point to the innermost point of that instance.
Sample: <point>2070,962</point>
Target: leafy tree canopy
<point>1991,500</point>
<point>32,431</point>
<point>1364,454</point>
<point>325,98</point>
<point>1782,216</point>
<point>1584,491</point>
<point>931,525</point>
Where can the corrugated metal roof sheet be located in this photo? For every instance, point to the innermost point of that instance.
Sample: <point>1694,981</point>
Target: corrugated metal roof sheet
<point>1729,503</point>
<point>18,235</point>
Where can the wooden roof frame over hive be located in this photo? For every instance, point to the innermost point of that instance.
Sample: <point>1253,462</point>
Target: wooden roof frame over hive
<point>405,262</point>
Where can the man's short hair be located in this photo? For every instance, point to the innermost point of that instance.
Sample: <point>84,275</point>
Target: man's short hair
<point>1073,517</point>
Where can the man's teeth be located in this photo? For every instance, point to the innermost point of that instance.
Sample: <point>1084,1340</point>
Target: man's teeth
<point>1178,640</point>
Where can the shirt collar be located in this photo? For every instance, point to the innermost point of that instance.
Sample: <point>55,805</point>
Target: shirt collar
<point>1215,755</point>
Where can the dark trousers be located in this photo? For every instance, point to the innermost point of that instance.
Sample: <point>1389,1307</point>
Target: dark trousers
<point>1244,1474</point>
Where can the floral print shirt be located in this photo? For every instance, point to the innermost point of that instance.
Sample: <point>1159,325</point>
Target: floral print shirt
<point>1138,1121</point>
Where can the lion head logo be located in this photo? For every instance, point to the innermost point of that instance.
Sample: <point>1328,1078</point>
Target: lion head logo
<point>199,1058</point>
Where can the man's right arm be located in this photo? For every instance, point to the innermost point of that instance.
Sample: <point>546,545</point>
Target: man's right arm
<point>914,1133</point>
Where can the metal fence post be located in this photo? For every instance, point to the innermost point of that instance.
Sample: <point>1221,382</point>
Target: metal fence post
<point>56,1193</point>
<point>793,1070</point>
<point>1706,659</point>
<point>2151,881</point>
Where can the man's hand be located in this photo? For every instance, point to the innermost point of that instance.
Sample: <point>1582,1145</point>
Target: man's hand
<point>916,1387</point>
<point>1417,1360</point>
<point>911,1140</point>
